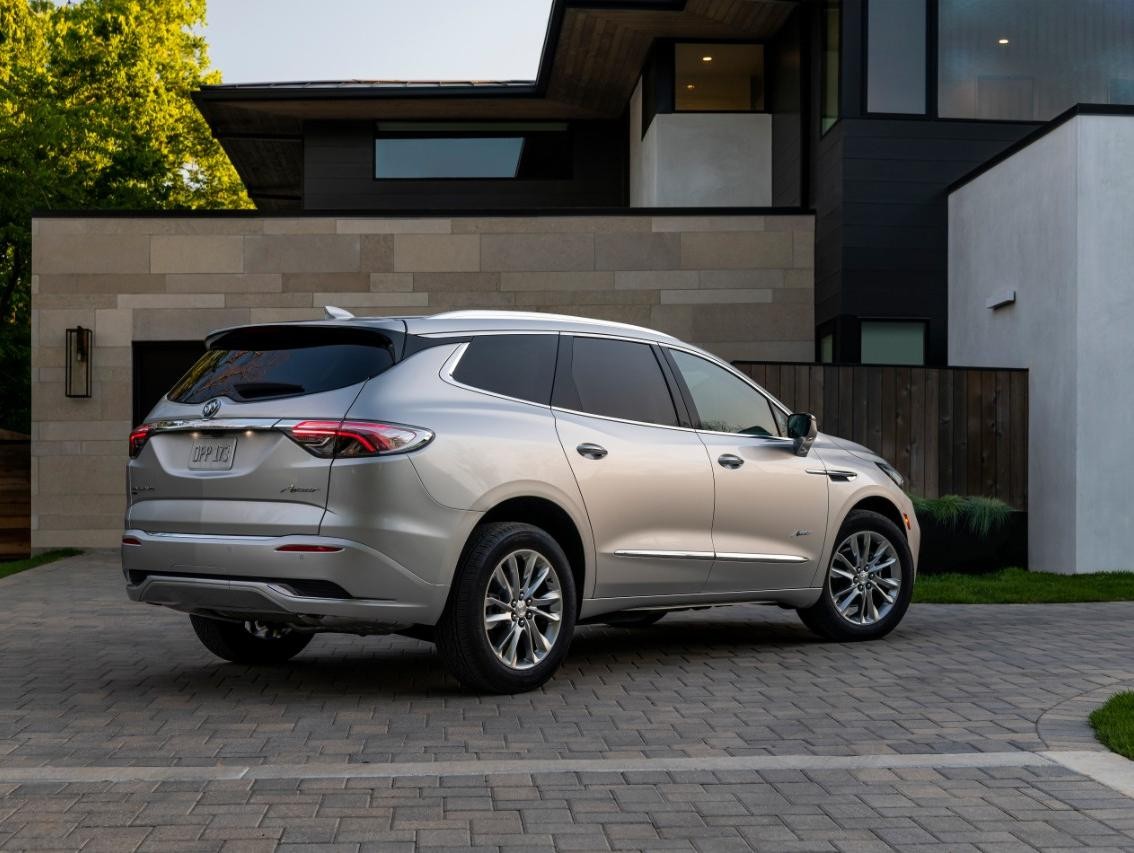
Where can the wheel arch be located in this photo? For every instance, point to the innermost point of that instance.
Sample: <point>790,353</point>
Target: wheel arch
<point>549,516</point>
<point>884,507</point>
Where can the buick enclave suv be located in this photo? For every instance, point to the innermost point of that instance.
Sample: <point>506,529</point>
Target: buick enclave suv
<point>489,480</point>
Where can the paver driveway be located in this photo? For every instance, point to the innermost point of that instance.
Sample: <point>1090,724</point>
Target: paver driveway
<point>724,729</point>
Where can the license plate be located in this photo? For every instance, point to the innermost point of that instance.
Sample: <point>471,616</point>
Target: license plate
<point>212,454</point>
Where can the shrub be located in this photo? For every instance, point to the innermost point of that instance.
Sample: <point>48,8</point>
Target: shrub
<point>978,515</point>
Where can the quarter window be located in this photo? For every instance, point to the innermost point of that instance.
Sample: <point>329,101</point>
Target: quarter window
<point>724,403</point>
<point>520,366</point>
<point>617,379</point>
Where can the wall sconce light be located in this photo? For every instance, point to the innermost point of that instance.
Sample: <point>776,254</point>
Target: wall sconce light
<point>80,345</point>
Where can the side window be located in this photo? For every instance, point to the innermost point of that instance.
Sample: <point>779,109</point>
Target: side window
<point>520,366</point>
<point>724,402</point>
<point>618,379</point>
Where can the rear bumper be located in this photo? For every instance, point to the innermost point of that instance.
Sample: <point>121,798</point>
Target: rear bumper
<point>353,588</point>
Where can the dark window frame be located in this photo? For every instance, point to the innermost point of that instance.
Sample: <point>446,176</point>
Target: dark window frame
<point>481,131</point>
<point>671,47</point>
<point>925,324</point>
<point>824,29</point>
<point>930,112</point>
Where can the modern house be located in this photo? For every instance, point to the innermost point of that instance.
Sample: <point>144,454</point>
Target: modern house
<point>767,178</point>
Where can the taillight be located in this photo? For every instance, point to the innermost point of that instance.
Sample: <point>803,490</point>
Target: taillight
<point>138,439</point>
<point>348,439</point>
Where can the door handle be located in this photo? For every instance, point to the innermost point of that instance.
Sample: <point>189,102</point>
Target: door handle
<point>591,451</point>
<point>730,460</point>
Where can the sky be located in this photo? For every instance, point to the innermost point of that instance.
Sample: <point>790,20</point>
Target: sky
<point>255,41</point>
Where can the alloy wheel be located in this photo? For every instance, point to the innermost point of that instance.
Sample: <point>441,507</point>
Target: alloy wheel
<point>523,609</point>
<point>865,578</point>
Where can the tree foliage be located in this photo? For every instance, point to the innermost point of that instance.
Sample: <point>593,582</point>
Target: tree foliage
<point>95,113</point>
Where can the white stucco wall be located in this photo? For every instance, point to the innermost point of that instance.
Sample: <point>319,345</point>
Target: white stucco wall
<point>700,159</point>
<point>1053,224</point>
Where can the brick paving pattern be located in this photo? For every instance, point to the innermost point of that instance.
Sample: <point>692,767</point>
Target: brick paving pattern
<point>88,679</point>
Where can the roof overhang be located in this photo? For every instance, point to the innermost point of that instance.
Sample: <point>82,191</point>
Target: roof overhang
<point>592,55</point>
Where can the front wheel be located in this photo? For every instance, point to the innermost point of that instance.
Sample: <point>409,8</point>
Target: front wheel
<point>255,643</point>
<point>511,611</point>
<point>869,581</point>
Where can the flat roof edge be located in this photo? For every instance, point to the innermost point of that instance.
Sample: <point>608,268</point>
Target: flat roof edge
<point>1037,134</point>
<point>479,213</point>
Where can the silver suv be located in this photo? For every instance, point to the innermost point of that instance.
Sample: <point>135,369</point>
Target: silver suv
<point>490,480</point>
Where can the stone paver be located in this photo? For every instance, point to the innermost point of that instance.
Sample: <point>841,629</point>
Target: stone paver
<point>89,680</point>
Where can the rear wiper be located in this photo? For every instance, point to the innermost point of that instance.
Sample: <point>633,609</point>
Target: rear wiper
<point>253,390</point>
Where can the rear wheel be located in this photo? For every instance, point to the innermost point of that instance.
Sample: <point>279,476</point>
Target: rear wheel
<point>511,611</point>
<point>869,581</point>
<point>255,643</point>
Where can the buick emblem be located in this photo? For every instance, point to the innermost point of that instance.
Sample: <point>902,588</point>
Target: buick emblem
<point>211,408</point>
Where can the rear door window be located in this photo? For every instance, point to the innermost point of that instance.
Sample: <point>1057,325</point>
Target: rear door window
<point>520,366</point>
<point>268,363</point>
<point>616,379</point>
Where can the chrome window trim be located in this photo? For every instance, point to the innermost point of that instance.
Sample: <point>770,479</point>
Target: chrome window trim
<point>454,359</point>
<point>451,363</point>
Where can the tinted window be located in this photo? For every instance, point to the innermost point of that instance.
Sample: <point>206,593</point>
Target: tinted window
<point>520,366</point>
<point>724,402</point>
<point>896,63</point>
<point>272,362</point>
<point>443,150</point>
<point>617,379</point>
<point>1032,59</point>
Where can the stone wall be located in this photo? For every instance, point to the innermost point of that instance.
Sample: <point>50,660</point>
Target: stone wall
<point>741,286</point>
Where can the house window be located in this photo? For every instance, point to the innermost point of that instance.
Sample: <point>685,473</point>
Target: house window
<point>893,342</point>
<point>832,18</point>
<point>895,40</point>
<point>448,150</point>
<point>718,77</point>
<point>827,348</point>
<point>1032,59</point>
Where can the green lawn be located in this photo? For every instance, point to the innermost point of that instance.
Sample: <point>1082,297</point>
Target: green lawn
<point>1017,586</point>
<point>1114,724</point>
<point>38,560</point>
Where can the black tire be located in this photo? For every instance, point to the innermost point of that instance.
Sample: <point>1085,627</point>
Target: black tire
<point>824,617</point>
<point>634,620</point>
<point>234,642</point>
<point>462,638</point>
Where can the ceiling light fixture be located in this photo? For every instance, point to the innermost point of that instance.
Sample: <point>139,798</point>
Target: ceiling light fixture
<point>706,59</point>
<point>1002,41</point>
<point>690,86</point>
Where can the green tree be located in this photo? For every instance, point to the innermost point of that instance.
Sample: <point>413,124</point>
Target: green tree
<point>95,113</point>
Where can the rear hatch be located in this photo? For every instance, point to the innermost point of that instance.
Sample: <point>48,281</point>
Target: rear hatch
<point>221,454</point>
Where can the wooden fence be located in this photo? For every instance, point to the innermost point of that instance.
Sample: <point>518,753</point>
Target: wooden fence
<point>15,496</point>
<point>950,430</point>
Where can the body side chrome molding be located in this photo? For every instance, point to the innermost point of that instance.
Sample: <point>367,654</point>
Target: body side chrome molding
<point>729,556</point>
<point>673,555</point>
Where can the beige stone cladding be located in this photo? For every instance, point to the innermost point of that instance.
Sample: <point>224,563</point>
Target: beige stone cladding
<point>740,286</point>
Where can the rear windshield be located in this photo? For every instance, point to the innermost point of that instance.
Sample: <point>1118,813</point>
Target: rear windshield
<point>269,363</point>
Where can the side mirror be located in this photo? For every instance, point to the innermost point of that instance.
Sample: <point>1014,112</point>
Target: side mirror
<point>802,429</point>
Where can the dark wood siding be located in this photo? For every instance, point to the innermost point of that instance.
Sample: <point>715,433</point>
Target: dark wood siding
<point>948,430</point>
<point>339,175</point>
<point>15,497</point>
